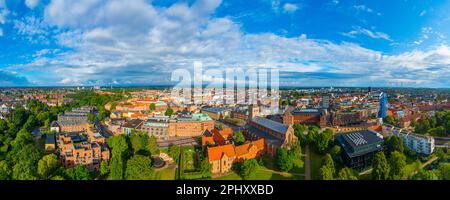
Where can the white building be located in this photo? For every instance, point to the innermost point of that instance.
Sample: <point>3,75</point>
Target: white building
<point>418,143</point>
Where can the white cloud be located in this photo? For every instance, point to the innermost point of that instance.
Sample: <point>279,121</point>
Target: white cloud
<point>136,42</point>
<point>3,12</point>
<point>290,7</point>
<point>1,32</point>
<point>363,8</point>
<point>376,35</point>
<point>32,3</point>
<point>423,13</point>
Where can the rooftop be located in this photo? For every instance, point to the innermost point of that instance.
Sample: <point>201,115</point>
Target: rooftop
<point>360,142</point>
<point>270,124</point>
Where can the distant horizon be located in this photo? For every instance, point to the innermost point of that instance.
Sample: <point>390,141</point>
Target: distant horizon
<point>170,86</point>
<point>311,43</point>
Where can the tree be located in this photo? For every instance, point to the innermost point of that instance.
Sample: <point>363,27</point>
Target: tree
<point>328,161</point>
<point>247,169</point>
<point>323,140</point>
<point>427,175</point>
<point>169,112</point>
<point>104,168</point>
<point>395,143</point>
<point>5,171</point>
<point>136,142</point>
<point>24,171</point>
<point>347,174</point>
<point>174,153</point>
<point>47,166</point>
<point>117,168</point>
<point>381,167</point>
<point>445,170</point>
<point>120,151</point>
<point>205,168</point>
<point>296,154</point>
<point>325,173</point>
<point>78,173</point>
<point>91,117</point>
<point>397,162</point>
<point>284,160</point>
<point>152,145</point>
<point>220,126</point>
<point>239,138</point>
<point>152,106</point>
<point>138,168</point>
<point>335,152</point>
<point>391,120</point>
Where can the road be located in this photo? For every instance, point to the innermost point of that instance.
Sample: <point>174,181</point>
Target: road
<point>307,163</point>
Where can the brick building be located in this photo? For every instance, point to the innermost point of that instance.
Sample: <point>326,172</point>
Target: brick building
<point>276,135</point>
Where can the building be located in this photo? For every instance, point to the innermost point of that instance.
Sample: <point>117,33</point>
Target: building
<point>308,116</point>
<point>50,143</point>
<point>76,149</point>
<point>359,148</point>
<point>132,125</point>
<point>223,157</point>
<point>349,117</point>
<point>217,137</point>
<point>73,121</point>
<point>325,103</point>
<point>383,105</point>
<point>276,135</point>
<point>158,127</point>
<point>190,126</point>
<point>215,112</point>
<point>419,143</point>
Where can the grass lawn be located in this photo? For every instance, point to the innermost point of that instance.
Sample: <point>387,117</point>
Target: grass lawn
<point>264,174</point>
<point>316,163</point>
<point>165,174</point>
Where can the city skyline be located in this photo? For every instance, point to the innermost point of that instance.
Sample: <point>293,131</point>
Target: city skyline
<point>140,43</point>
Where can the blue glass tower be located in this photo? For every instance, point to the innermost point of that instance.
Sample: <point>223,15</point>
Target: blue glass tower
<point>383,105</point>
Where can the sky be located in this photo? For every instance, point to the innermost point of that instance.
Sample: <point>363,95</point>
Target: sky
<point>383,43</point>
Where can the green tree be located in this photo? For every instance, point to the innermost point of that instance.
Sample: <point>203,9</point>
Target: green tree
<point>205,168</point>
<point>174,153</point>
<point>397,162</point>
<point>296,154</point>
<point>104,168</point>
<point>328,161</point>
<point>284,160</point>
<point>47,166</point>
<point>5,170</point>
<point>326,173</point>
<point>152,106</point>
<point>91,117</point>
<point>169,112</point>
<point>335,152</point>
<point>427,175</point>
<point>323,140</point>
<point>347,174</point>
<point>152,145</point>
<point>445,170</point>
<point>138,168</point>
<point>239,138</point>
<point>120,152</point>
<point>381,167</point>
<point>24,170</point>
<point>78,173</point>
<point>247,169</point>
<point>395,143</point>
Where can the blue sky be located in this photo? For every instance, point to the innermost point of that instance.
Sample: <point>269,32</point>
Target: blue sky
<point>141,42</point>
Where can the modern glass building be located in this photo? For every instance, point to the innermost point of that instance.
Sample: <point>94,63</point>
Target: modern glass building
<point>383,105</point>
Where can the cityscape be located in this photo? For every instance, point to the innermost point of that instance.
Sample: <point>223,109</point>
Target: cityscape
<point>224,90</point>
<point>103,133</point>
